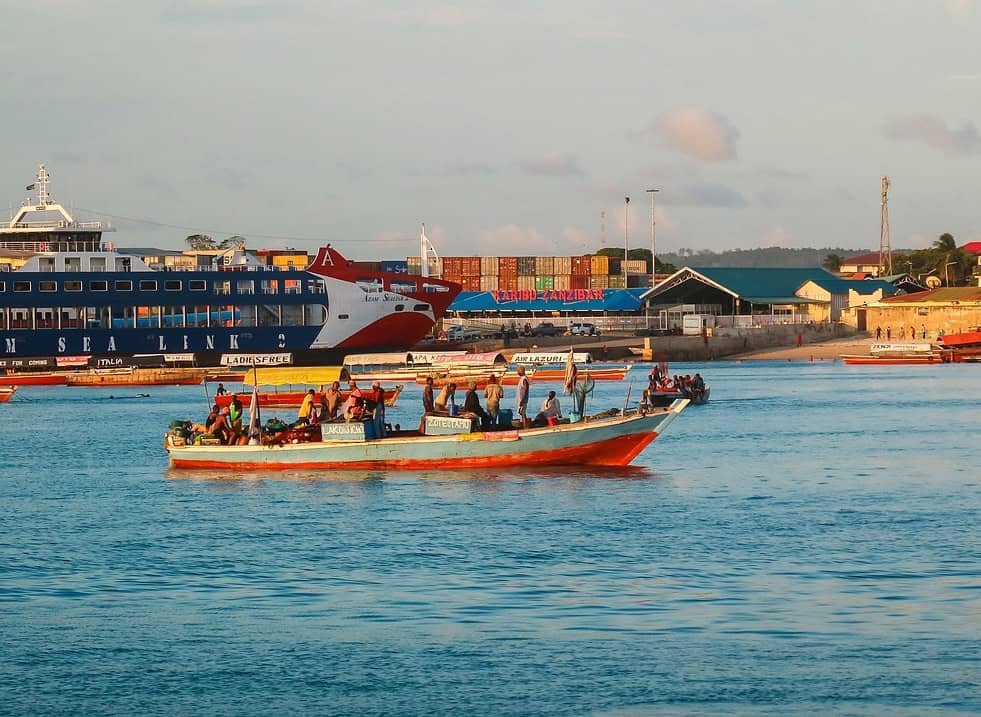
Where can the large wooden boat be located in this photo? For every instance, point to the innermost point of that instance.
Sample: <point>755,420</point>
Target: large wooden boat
<point>558,374</point>
<point>137,377</point>
<point>896,355</point>
<point>7,393</point>
<point>962,346</point>
<point>607,441</point>
<point>291,384</point>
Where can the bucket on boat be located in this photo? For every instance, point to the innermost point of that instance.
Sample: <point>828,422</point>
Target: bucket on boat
<point>553,421</point>
<point>504,417</point>
<point>453,410</point>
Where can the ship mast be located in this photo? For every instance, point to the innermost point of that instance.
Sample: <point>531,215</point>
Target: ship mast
<point>43,199</point>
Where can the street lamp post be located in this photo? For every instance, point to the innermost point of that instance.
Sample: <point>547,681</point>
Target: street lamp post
<point>946,274</point>
<point>653,193</point>
<point>626,234</point>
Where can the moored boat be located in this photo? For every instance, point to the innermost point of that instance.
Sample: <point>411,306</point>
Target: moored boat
<point>34,379</point>
<point>896,355</point>
<point>555,374</point>
<point>962,346</point>
<point>606,441</point>
<point>136,377</point>
<point>7,393</point>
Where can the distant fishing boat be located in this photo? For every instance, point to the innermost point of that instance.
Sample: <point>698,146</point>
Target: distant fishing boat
<point>136,376</point>
<point>604,441</point>
<point>896,355</point>
<point>962,346</point>
<point>7,393</point>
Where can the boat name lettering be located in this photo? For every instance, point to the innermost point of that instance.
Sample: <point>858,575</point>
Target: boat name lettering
<point>256,359</point>
<point>548,295</point>
<point>86,344</point>
<point>109,363</point>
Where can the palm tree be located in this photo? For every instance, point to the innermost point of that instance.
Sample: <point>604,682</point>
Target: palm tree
<point>832,262</point>
<point>950,260</point>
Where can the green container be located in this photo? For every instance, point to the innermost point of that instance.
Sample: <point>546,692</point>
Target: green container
<point>544,282</point>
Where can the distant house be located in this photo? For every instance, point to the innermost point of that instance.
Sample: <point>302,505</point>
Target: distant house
<point>831,294</point>
<point>974,249</point>
<point>867,264</point>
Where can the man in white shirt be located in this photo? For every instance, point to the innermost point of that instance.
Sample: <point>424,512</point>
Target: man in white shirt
<point>550,409</point>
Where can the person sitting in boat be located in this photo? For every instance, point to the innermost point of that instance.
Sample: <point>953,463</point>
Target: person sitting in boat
<point>446,398</point>
<point>354,405</point>
<point>698,387</point>
<point>221,390</point>
<point>550,409</point>
<point>494,392</point>
<point>306,413</point>
<point>471,404</point>
<point>216,425</point>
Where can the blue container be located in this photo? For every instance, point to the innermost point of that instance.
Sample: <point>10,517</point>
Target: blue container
<point>369,430</point>
<point>452,409</point>
<point>505,416</point>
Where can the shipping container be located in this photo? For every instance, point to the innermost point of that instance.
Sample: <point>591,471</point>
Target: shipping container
<point>508,265</point>
<point>599,281</point>
<point>635,266</point>
<point>414,264</point>
<point>579,281</point>
<point>526,266</point>
<point>470,283</point>
<point>599,265</point>
<point>457,278</point>
<point>562,282</point>
<point>471,265</point>
<point>507,282</point>
<point>616,281</point>
<point>544,282</point>
<point>615,262</point>
<point>526,282</point>
<point>562,265</point>
<point>581,266</point>
<point>544,265</point>
<point>488,266</point>
<point>488,283</point>
<point>453,265</point>
<point>636,281</point>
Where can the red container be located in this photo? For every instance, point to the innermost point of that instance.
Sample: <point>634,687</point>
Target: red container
<point>579,281</point>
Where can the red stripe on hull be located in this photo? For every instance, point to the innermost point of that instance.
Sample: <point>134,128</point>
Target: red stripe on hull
<point>619,451</point>
<point>28,380</point>
<point>401,330</point>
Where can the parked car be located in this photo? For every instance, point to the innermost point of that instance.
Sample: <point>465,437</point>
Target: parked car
<point>547,328</point>
<point>460,333</point>
<point>584,329</point>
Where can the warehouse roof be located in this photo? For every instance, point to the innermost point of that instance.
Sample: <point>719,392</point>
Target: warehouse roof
<point>944,295</point>
<point>835,285</point>
<point>548,300</point>
<point>757,285</point>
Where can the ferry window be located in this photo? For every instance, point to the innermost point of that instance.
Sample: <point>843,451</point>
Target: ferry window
<point>44,319</point>
<point>47,285</point>
<point>3,286</point>
<point>71,317</point>
<point>172,285</point>
<point>173,316</point>
<point>73,263</point>
<point>343,316</point>
<point>400,307</point>
<point>245,286</point>
<point>123,285</point>
<point>196,315</point>
<point>421,307</point>
<point>403,287</point>
<point>293,315</point>
<point>242,315</point>
<point>20,318</point>
<point>98,286</point>
<point>268,315</point>
<point>22,286</point>
<point>223,287</point>
<point>270,286</point>
<point>73,286</point>
<point>292,286</point>
<point>97,263</point>
<point>316,314</point>
<point>148,285</point>
<point>197,285</point>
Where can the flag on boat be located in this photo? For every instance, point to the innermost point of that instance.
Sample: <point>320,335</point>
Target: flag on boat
<point>570,373</point>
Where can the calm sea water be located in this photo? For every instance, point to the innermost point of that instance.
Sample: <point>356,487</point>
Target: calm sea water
<point>807,543</point>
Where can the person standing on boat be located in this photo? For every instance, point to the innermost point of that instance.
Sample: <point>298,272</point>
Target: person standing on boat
<point>221,390</point>
<point>493,393</point>
<point>235,416</point>
<point>428,400</point>
<point>698,387</point>
<point>521,398</point>
<point>378,412</point>
<point>306,408</point>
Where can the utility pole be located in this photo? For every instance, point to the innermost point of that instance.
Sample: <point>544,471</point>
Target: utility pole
<point>885,248</point>
<point>653,193</point>
<point>626,234</point>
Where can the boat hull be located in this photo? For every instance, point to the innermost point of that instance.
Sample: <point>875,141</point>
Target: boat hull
<point>41,379</point>
<point>597,374</point>
<point>603,442</point>
<point>891,360</point>
<point>7,393</point>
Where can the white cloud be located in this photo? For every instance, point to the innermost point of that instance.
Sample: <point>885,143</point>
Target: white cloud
<point>552,165</point>
<point>957,9</point>
<point>576,241</point>
<point>777,235</point>
<point>697,132</point>
<point>509,239</point>
<point>933,131</point>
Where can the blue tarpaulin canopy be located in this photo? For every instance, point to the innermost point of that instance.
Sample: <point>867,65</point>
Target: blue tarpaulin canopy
<point>613,300</point>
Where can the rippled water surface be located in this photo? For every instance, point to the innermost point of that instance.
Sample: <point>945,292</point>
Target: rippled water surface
<point>807,543</point>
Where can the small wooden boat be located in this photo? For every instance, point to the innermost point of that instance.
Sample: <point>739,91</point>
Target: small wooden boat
<point>606,441</point>
<point>7,393</point>
<point>463,380</point>
<point>34,379</point>
<point>666,398</point>
<point>137,376</point>
<point>293,399</point>
<point>962,346</point>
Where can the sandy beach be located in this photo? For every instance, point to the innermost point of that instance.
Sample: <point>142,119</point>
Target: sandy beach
<point>824,351</point>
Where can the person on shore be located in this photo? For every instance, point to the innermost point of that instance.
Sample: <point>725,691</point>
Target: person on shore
<point>221,390</point>
<point>378,412</point>
<point>551,408</point>
<point>428,400</point>
<point>889,333</point>
<point>471,404</point>
<point>923,329</point>
<point>306,407</point>
<point>912,333</point>
<point>446,398</point>
<point>902,333</point>
<point>521,397</point>
<point>878,333</point>
<point>494,392</point>
<point>800,339</point>
<point>331,402</point>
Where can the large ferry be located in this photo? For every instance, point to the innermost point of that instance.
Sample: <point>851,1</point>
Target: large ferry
<point>77,301</point>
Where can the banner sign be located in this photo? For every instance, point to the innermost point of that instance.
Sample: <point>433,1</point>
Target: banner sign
<point>72,360</point>
<point>548,359</point>
<point>178,358</point>
<point>549,295</point>
<point>26,363</point>
<point>256,359</point>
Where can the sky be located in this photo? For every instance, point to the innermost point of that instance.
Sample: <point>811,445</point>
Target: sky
<point>507,127</point>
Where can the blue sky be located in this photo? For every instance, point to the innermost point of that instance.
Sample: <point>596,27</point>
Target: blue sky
<point>508,127</point>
